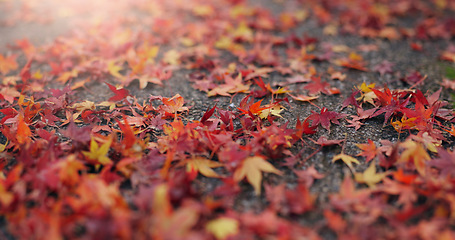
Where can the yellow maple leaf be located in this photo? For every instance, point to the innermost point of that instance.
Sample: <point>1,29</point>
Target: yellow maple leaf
<point>355,57</point>
<point>223,227</point>
<point>38,75</point>
<point>114,69</point>
<point>85,105</point>
<point>243,31</point>
<point>3,146</point>
<point>367,95</point>
<point>280,91</point>
<point>203,166</point>
<point>172,57</point>
<point>65,76</point>
<point>405,123</point>
<point>144,80</point>
<point>275,111</point>
<point>348,160</point>
<point>147,52</point>
<point>340,48</point>
<point>414,152</point>
<point>80,84</point>
<point>98,152</point>
<point>366,88</point>
<point>187,42</point>
<point>111,105</point>
<point>370,177</point>
<point>203,10</point>
<point>224,43</point>
<point>331,30</point>
<point>252,168</point>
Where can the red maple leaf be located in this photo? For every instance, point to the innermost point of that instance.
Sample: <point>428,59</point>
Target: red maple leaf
<point>208,114</point>
<point>25,72</point>
<point>384,97</point>
<point>384,67</point>
<point>414,78</point>
<point>445,163</point>
<point>316,86</point>
<point>323,141</point>
<point>351,100</point>
<point>120,93</point>
<point>324,118</point>
<point>393,108</point>
<point>303,128</point>
<point>10,113</point>
<point>78,134</point>
<point>128,135</point>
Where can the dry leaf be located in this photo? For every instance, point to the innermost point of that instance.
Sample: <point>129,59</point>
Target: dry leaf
<point>252,168</point>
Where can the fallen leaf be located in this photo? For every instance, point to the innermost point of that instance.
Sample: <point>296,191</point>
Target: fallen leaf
<point>414,153</point>
<point>114,69</point>
<point>3,147</point>
<point>252,168</point>
<point>384,67</point>
<point>369,150</point>
<point>335,221</point>
<point>316,86</point>
<point>231,85</point>
<point>120,93</point>
<point>97,152</point>
<point>348,160</point>
<point>370,176</point>
<point>223,227</point>
<point>303,98</point>
<point>324,118</point>
<point>203,166</point>
<point>23,131</point>
<point>7,64</point>
<point>274,109</point>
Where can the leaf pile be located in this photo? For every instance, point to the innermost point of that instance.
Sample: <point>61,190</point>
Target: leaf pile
<point>121,166</point>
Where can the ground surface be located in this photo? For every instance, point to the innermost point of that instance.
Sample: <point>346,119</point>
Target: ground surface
<point>135,159</point>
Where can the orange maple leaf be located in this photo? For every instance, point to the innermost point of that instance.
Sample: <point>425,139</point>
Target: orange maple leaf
<point>69,170</point>
<point>232,85</point>
<point>8,64</point>
<point>369,150</point>
<point>451,131</point>
<point>23,131</point>
<point>174,104</point>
